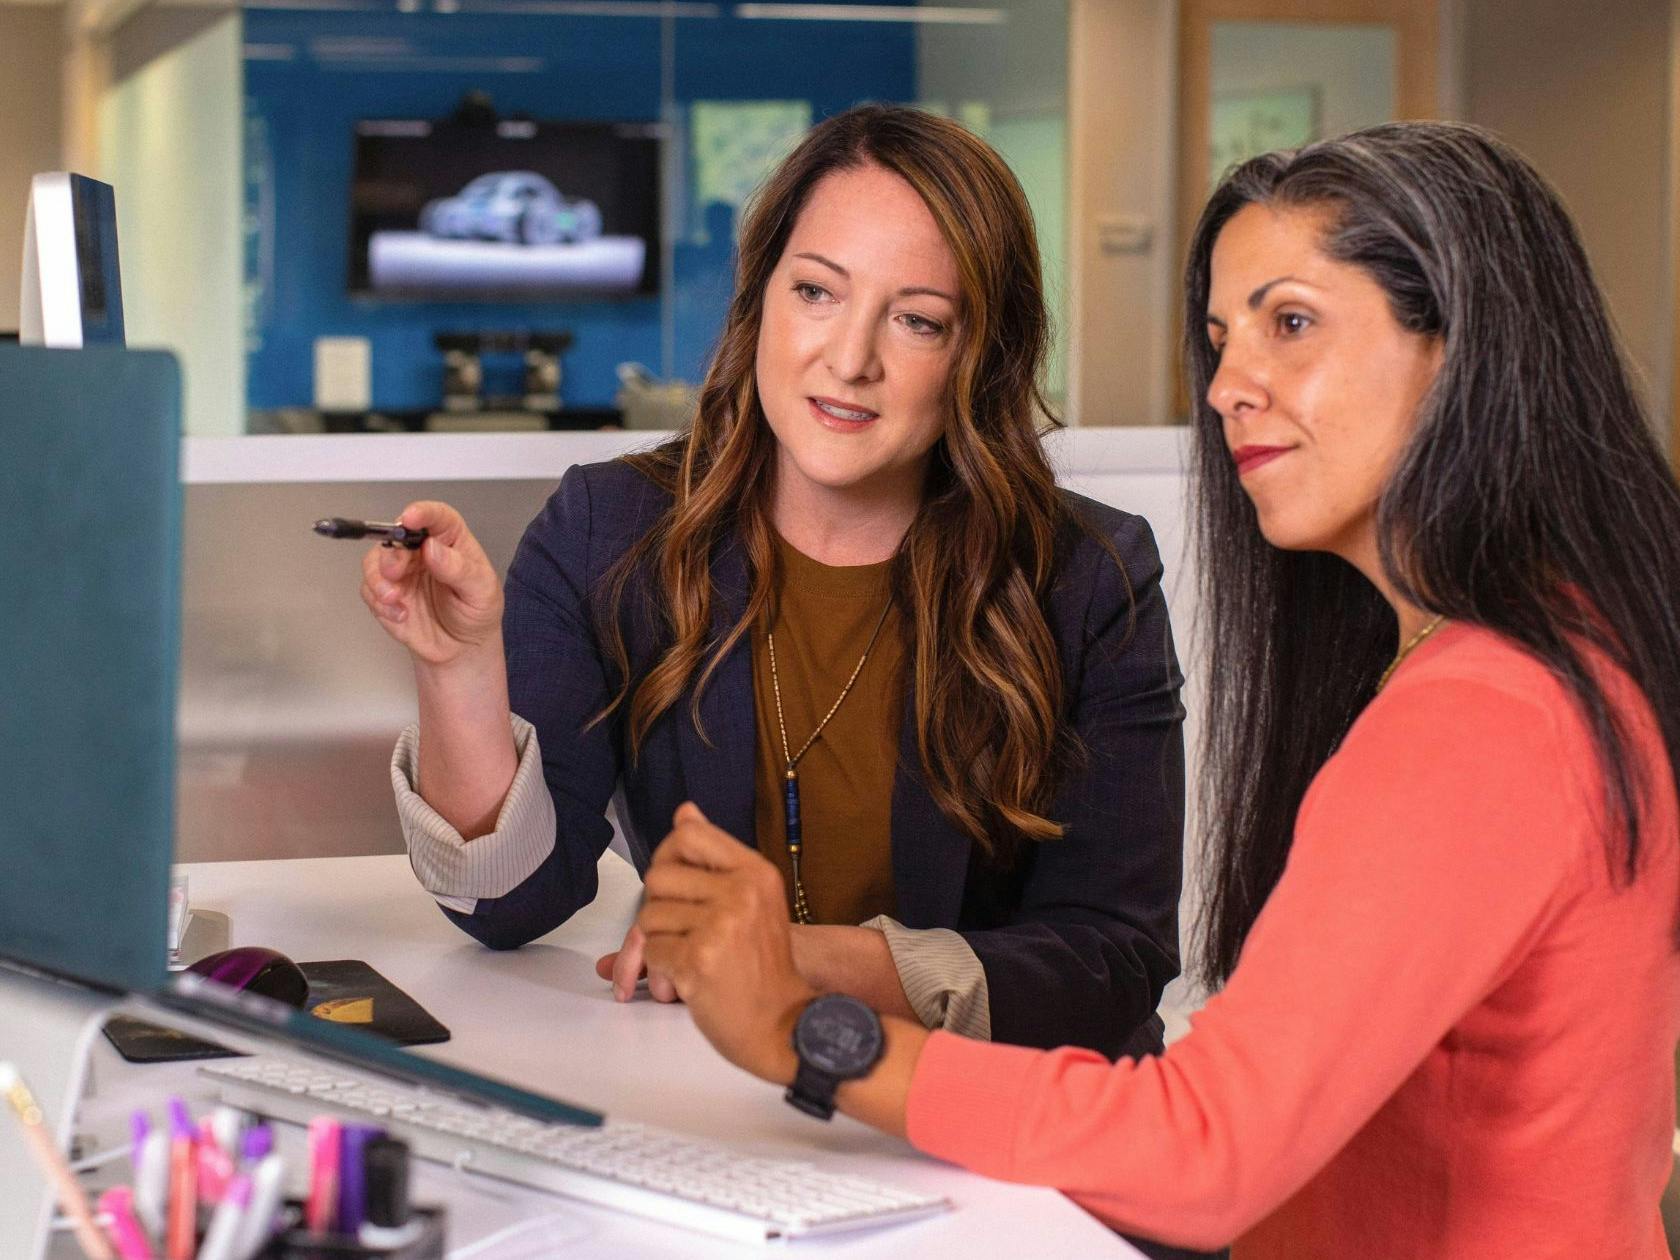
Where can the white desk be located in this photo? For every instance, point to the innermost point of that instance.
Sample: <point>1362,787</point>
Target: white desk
<point>540,1017</point>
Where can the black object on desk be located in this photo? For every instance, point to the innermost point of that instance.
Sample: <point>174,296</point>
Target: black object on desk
<point>344,991</point>
<point>297,1243</point>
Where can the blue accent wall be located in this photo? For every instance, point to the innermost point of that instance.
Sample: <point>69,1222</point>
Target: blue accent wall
<point>309,76</point>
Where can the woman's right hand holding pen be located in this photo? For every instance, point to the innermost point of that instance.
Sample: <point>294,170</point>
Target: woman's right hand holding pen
<point>442,602</point>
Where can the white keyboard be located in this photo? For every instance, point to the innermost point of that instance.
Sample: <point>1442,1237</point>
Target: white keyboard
<point>628,1167</point>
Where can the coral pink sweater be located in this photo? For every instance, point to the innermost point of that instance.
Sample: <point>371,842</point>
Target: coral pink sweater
<point>1450,1033</point>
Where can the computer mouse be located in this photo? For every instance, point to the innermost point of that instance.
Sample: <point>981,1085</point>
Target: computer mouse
<point>256,970</point>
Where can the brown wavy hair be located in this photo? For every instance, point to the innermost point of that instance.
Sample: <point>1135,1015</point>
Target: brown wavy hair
<point>973,570</point>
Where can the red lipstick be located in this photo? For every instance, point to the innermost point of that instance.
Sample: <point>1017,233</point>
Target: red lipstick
<point>1249,458</point>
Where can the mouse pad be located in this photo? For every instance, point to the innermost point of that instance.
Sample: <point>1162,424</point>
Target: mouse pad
<point>345,991</point>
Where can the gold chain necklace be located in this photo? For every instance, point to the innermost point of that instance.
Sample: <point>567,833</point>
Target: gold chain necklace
<point>1411,643</point>
<point>790,798</point>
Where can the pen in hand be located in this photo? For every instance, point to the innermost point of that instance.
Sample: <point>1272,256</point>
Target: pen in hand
<point>395,533</point>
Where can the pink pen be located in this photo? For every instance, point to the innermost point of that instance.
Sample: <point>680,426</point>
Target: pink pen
<point>215,1164</point>
<point>320,1212</point>
<point>117,1205</point>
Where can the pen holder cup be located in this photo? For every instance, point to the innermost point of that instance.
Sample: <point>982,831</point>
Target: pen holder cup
<point>297,1243</point>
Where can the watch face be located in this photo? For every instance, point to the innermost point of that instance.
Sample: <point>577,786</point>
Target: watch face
<point>838,1035</point>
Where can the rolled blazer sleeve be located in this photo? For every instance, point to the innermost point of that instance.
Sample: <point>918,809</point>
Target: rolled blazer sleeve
<point>558,682</point>
<point>941,976</point>
<point>456,871</point>
<point>1092,941</point>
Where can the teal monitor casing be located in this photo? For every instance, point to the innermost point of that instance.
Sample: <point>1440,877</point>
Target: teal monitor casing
<point>89,634</point>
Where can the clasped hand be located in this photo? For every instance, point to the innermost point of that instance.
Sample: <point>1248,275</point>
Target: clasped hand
<point>713,931</point>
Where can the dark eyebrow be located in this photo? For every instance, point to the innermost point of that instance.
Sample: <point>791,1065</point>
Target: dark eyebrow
<point>912,291</point>
<point>831,265</point>
<point>1259,295</point>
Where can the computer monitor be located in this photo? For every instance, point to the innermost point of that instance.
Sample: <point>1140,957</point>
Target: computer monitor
<point>89,629</point>
<point>89,642</point>
<point>72,286</point>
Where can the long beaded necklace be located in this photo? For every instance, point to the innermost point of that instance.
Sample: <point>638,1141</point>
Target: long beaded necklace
<point>1406,651</point>
<point>790,785</point>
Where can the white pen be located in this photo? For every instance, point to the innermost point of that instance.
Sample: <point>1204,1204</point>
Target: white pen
<point>268,1183</point>
<point>228,1124</point>
<point>151,1182</point>
<point>228,1221</point>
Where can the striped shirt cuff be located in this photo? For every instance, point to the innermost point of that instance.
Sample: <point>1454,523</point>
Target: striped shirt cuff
<point>942,977</point>
<point>458,872</point>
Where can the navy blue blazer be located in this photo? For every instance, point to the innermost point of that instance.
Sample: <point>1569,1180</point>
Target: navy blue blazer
<point>1078,936</point>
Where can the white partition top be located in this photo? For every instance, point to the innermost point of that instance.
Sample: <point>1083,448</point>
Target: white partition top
<point>534,456</point>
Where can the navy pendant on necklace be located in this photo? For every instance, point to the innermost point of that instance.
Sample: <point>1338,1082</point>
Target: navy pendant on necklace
<point>795,843</point>
<point>790,786</point>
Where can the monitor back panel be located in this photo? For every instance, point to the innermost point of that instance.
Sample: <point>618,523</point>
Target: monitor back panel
<point>89,627</point>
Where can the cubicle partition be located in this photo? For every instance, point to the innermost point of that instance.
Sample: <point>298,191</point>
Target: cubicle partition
<point>292,696</point>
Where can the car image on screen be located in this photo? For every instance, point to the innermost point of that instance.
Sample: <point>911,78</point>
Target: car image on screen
<point>519,207</point>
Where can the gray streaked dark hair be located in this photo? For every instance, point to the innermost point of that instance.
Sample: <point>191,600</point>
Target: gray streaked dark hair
<point>1511,507</point>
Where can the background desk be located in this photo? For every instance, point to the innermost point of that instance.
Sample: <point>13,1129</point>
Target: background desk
<point>540,1017</point>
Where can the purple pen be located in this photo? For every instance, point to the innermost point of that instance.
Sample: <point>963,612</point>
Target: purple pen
<point>352,1175</point>
<point>259,1141</point>
<point>139,1126</point>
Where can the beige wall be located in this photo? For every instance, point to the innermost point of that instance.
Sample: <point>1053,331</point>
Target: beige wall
<point>1581,88</point>
<point>1122,112</point>
<point>31,50</point>
<point>170,130</point>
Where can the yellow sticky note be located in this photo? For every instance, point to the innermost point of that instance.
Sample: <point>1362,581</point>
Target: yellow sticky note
<point>346,1010</point>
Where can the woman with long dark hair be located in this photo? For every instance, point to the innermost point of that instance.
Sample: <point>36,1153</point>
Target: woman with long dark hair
<point>848,613</point>
<point>1440,552</point>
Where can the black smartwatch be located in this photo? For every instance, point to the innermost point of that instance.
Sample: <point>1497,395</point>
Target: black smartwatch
<point>837,1038</point>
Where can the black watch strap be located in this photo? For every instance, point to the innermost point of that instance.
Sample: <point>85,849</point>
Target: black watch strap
<point>813,1091</point>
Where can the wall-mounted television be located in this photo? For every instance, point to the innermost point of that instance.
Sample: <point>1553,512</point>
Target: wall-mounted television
<point>509,210</point>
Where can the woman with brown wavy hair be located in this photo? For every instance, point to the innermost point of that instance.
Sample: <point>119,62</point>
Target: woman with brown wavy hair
<point>848,615</point>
